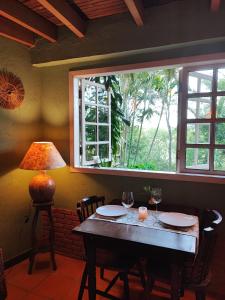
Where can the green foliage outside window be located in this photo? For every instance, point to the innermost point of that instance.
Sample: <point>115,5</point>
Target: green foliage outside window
<point>143,122</point>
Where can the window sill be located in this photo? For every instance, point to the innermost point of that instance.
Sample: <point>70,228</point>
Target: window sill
<point>153,175</point>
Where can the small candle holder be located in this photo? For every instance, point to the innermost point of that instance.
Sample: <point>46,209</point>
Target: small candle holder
<point>142,213</point>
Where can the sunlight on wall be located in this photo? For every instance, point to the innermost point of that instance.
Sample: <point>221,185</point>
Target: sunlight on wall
<point>28,112</point>
<point>55,91</point>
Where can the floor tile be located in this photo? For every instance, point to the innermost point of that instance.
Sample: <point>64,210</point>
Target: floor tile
<point>64,283</point>
<point>31,296</point>
<point>15,293</point>
<point>20,278</point>
<point>70,267</point>
<point>56,286</point>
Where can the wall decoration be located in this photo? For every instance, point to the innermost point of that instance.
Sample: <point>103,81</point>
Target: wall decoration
<point>11,90</point>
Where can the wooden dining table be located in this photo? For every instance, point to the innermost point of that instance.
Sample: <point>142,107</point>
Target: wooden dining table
<point>139,240</point>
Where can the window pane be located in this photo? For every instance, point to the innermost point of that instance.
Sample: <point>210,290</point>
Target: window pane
<point>221,80</point>
<point>102,96</point>
<point>220,107</point>
<point>90,94</point>
<point>104,151</point>
<point>219,159</point>
<point>91,150</point>
<point>90,113</point>
<point>200,81</point>
<point>197,158</point>
<point>220,133</point>
<point>103,133</point>
<point>103,114</point>
<point>198,133</point>
<point>199,108</point>
<point>91,133</point>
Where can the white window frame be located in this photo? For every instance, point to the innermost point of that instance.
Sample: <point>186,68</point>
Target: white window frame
<point>211,146</point>
<point>74,76</point>
<point>85,83</point>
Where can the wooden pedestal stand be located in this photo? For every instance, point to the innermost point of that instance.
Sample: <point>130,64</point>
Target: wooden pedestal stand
<point>47,207</point>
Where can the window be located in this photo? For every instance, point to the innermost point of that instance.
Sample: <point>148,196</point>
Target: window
<point>202,144</point>
<point>95,123</point>
<point>134,121</point>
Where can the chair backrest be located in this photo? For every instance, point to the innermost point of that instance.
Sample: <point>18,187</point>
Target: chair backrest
<point>3,290</point>
<point>88,205</point>
<point>197,272</point>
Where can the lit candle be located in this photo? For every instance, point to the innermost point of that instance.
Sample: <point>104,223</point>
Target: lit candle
<point>142,213</point>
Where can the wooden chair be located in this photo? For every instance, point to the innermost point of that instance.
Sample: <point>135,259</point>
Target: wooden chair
<point>104,258</point>
<point>3,289</point>
<point>196,275</point>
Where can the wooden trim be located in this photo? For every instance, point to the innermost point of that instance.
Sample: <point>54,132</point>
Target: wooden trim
<point>17,259</point>
<point>16,33</point>
<point>172,62</point>
<point>136,9</point>
<point>153,175</point>
<point>66,14</point>
<point>215,5</point>
<point>25,17</point>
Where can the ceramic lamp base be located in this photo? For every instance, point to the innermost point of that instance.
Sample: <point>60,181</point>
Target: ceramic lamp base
<point>42,189</point>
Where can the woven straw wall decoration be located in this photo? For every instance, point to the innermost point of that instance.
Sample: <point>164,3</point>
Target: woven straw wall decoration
<point>11,90</point>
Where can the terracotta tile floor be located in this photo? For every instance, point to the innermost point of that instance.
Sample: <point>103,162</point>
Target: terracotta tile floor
<point>63,284</point>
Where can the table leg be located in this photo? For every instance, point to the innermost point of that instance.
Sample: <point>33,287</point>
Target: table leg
<point>176,279</point>
<point>91,261</point>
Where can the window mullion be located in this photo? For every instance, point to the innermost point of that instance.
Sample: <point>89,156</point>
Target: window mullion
<point>182,118</point>
<point>97,107</point>
<point>83,124</point>
<point>110,124</point>
<point>213,117</point>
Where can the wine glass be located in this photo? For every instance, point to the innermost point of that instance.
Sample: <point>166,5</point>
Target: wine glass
<point>156,197</point>
<point>127,199</point>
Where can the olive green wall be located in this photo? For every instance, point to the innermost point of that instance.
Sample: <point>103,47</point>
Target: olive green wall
<point>18,128</point>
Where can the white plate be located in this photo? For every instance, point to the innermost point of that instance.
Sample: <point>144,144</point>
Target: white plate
<point>111,210</point>
<point>177,219</point>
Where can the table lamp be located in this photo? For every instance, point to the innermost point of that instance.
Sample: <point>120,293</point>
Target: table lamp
<point>42,156</point>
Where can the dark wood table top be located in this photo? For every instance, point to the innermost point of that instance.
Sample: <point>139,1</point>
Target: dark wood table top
<point>137,234</point>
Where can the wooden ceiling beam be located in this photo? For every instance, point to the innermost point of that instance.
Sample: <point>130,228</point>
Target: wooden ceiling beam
<point>215,5</point>
<point>136,9</point>
<point>16,33</point>
<point>66,14</point>
<point>25,17</point>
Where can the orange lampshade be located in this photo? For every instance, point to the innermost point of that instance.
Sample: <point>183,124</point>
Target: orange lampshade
<point>42,156</point>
